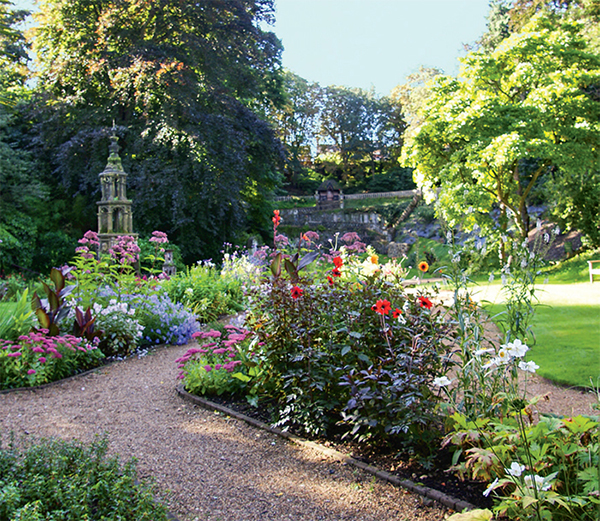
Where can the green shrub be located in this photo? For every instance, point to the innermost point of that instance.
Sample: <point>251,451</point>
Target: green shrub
<point>15,318</point>
<point>205,292</point>
<point>68,481</point>
<point>554,475</point>
<point>221,365</point>
<point>37,358</point>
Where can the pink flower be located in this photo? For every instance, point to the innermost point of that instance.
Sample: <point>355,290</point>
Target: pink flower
<point>14,355</point>
<point>42,359</point>
<point>31,371</point>
<point>207,368</point>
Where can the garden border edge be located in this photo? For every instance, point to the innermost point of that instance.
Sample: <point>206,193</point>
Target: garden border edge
<point>458,505</point>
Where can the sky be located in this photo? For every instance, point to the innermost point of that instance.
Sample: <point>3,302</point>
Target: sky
<point>372,43</point>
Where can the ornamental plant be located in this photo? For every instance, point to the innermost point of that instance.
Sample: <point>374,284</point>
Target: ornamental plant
<point>163,321</point>
<point>322,345</point>
<point>39,358</point>
<point>55,479</point>
<point>122,332</point>
<point>206,291</point>
<point>546,468</point>
<point>222,364</point>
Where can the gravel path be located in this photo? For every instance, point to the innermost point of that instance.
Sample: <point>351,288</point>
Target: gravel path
<point>206,466</point>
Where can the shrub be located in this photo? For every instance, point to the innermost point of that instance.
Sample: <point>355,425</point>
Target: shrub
<point>37,358</point>
<point>222,365</point>
<point>16,318</point>
<point>331,360</point>
<point>54,479</point>
<point>163,321</point>
<point>121,332</point>
<point>203,290</point>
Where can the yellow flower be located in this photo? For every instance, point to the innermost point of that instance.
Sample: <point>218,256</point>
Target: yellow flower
<point>374,259</point>
<point>423,266</point>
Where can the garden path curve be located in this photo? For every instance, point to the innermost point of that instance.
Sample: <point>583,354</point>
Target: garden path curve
<point>206,466</point>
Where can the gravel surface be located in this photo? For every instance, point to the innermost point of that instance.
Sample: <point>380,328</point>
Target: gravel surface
<point>205,465</point>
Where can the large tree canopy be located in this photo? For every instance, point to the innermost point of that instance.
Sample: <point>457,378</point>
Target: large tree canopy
<point>513,116</point>
<point>180,80</point>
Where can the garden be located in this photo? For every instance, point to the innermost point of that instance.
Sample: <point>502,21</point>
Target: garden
<point>338,343</point>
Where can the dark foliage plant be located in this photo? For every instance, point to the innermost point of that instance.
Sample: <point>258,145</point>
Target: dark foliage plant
<point>69,481</point>
<point>336,365</point>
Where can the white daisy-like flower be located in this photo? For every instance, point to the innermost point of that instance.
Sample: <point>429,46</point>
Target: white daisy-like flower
<point>540,482</point>
<point>530,367</point>
<point>515,470</point>
<point>442,381</point>
<point>516,348</point>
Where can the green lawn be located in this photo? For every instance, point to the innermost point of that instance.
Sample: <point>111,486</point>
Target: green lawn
<point>566,328</point>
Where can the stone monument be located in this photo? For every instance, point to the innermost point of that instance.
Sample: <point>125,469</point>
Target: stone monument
<point>114,209</point>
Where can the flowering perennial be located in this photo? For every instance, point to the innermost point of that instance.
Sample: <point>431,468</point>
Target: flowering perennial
<point>36,359</point>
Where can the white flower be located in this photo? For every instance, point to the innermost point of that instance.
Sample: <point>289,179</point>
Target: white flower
<point>480,352</point>
<point>540,482</point>
<point>490,487</point>
<point>503,279</point>
<point>516,469</point>
<point>502,357</point>
<point>557,231</point>
<point>406,306</point>
<point>546,238</point>
<point>530,367</point>
<point>401,319</point>
<point>531,255</point>
<point>442,381</point>
<point>524,263</point>
<point>516,348</point>
<point>491,279</point>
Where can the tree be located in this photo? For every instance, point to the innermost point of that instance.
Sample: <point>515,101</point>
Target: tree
<point>512,117</point>
<point>297,122</point>
<point>362,130</point>
<point>182,82</point>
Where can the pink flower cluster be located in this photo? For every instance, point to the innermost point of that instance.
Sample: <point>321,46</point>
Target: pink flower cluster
<point>353,242</point>
<point>159,237</point>
<point>126,250</point>
<point>221,352</point>
<point>48,347</point>
<point>89,238</point>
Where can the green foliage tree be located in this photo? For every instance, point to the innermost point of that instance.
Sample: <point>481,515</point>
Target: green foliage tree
<point>182,82</point>
<point>296,122</point>
<point>364,133</point>
<point>21,194</point>
<point>512,117</point>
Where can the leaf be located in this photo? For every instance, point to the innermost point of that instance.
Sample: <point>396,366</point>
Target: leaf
<point>58,278</point>
<point>276,265</point>
<point>528,501</point>
<point>307,259</point>
<point>472,515</point>
<point>345,350</point>
<point>241,376</point>
<point>291,269</point>
<point>355,334</point>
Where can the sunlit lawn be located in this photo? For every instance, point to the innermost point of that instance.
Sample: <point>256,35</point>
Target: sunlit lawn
<point>566,329</point>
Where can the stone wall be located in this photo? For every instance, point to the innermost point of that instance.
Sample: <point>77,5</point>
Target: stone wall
<point>367,225</point>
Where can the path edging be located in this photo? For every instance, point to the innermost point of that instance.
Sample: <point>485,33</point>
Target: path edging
<point>458,505</point>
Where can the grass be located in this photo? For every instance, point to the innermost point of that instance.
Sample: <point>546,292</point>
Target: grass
<point>566,328</point>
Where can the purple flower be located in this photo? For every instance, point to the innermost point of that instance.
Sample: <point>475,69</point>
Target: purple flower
<point>31,371</point>
<point>42,359</point>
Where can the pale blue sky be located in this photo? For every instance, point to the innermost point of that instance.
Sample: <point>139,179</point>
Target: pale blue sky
<point>372,43</point>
